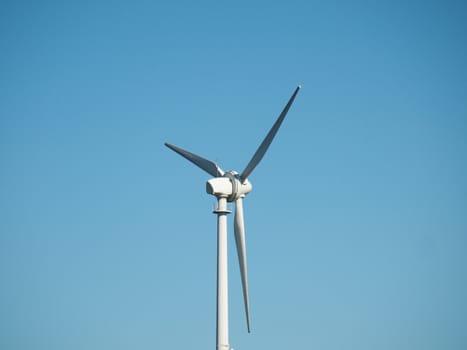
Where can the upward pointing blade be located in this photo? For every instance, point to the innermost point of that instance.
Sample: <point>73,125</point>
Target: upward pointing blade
<point>209,166</point>
<point>268,139</point>
<point>239,229</point>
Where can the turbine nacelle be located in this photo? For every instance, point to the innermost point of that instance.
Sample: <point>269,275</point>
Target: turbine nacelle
<point>229,186</point>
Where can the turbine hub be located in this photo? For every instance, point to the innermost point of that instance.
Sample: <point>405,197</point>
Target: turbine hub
<point>228,186</point>
<point>239,189</point>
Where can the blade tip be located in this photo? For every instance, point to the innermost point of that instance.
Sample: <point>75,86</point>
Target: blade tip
<point>169,146</point>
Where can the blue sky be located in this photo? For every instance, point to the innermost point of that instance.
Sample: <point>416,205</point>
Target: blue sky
<point>357,222</point>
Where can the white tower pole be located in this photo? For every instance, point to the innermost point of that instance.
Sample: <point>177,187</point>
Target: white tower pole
<point>222,329</point>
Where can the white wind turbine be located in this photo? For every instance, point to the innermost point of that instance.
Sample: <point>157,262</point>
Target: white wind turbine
<point>231,187</point>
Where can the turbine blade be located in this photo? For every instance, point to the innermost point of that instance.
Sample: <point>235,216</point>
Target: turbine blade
<point>208,166</point>
<point>268,139</point>
<point>239,230</point>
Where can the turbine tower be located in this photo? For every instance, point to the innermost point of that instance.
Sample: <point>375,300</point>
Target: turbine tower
<point>230,186</point>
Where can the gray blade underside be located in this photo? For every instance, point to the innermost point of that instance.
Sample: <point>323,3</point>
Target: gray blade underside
<point>268,139</point>
<point>208,166</point>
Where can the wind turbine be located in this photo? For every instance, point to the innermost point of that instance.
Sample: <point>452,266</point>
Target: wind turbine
<point>229,186</point>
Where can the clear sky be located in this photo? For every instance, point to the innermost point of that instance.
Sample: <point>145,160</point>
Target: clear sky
<point>357,222</point>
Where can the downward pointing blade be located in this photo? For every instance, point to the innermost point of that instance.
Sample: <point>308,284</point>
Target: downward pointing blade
<point>209,166</point>
<point>239,229</point>
<point>268,139</point>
